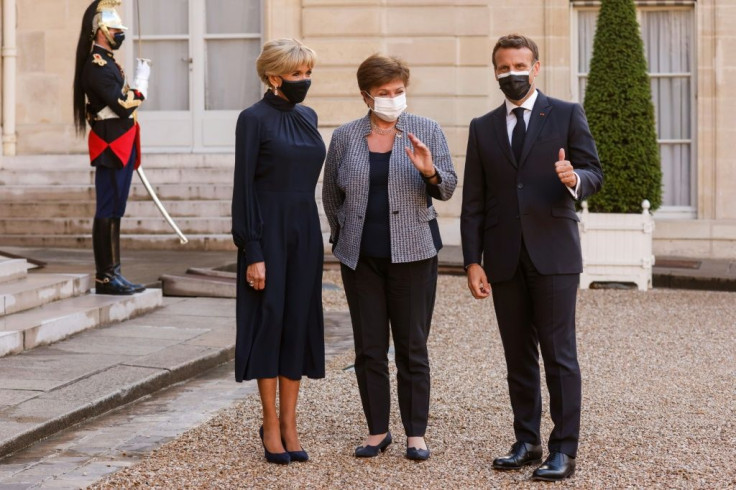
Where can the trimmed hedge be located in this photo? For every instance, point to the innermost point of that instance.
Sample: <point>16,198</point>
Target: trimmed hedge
<point>618,104</point>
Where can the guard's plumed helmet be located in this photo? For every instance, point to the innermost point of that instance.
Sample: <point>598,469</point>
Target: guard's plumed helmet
<point>107,18</point>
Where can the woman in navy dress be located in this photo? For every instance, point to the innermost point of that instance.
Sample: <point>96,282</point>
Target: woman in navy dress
<point>278,159</point>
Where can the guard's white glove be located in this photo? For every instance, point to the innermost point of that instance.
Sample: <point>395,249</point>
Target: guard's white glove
<point>142,74</point>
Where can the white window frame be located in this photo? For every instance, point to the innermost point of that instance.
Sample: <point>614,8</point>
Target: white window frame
<point>195,122</point>
<point>664,212</point>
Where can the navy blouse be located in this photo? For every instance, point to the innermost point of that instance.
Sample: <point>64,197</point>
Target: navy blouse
<point>376,239</point>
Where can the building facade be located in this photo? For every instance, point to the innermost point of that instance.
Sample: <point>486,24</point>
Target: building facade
<point>203,75</point>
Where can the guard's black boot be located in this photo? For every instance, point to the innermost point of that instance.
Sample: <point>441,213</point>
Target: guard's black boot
<point>106,282</point>
<point>137,288</point>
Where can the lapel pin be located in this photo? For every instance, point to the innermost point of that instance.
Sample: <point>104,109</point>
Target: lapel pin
<point>541,114</point>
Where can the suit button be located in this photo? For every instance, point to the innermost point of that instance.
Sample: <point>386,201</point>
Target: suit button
<point>519,186</point>
<point>360,217</point>
<point>396,212</point>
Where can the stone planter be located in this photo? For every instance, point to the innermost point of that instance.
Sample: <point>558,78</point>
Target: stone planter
<point>617,247</point>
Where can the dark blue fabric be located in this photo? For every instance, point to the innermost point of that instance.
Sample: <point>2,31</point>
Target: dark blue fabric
<point>112,186</point>
<point>278,159</point>
<point>376,238</point>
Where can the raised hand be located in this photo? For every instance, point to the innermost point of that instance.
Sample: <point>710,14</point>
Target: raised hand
<point>420,156</point>
<point>565,169</point>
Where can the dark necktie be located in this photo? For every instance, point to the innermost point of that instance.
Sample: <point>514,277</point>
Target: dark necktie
<point>518,134</point>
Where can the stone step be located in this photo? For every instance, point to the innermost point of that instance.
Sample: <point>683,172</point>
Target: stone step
<point>76,226</point>
<point>39,289</point>
<point>79,192</point>
<point>200,286</point>
<point>87,176</point>
<point>60,319</point>
<point>12,269</point>
<point>135,209</point>
<point>41,163</point>
<point>166,241</point>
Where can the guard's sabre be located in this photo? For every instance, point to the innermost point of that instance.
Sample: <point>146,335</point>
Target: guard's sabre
<point>141,174</point>
<point>140,36</point>
<point>160,206</point>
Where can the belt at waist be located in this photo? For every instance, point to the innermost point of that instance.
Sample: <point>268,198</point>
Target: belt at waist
<point>107,113</point>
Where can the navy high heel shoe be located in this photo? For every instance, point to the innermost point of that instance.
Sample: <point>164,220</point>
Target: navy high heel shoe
<point>299,456</point>
<point>372,451</point>
<point>277,458</point>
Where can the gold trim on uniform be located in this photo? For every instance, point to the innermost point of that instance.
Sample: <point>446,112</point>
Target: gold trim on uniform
<point>129,101</point>
<point>98,60</point>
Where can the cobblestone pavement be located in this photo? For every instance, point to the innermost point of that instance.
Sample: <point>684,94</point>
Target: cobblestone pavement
<point>659,407</point>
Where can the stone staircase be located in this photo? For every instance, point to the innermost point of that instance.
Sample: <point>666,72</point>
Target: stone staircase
<point>49,201</point>
<point>38,309</point>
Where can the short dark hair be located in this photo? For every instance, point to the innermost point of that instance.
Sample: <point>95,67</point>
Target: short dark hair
<point>516,41</point>
<point>378,69</point>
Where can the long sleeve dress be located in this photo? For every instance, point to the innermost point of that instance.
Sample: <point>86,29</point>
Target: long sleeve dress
<point>278,158</point>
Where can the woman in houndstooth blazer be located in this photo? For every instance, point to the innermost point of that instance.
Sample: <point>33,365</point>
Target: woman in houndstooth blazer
<point>381,174</point>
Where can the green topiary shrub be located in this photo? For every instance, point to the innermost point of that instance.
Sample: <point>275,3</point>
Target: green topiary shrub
<point>618,104</point>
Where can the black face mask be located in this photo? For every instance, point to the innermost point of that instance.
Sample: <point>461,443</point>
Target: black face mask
<point>118,37</point>
<point>515,85</point>
<point>295,91</point>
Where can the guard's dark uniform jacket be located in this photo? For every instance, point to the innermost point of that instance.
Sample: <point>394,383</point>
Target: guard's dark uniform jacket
<point>110,107</point>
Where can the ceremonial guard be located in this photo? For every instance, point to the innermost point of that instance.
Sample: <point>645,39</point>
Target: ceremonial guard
<point>103,98</point>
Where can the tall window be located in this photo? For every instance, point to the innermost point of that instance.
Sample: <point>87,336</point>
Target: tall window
<point>669,45</point>
<point>232,44</point>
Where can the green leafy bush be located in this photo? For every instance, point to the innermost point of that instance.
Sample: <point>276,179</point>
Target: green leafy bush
<point>618,104</point>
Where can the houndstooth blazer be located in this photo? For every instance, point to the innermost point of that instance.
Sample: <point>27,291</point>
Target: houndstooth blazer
<point>346,182</point>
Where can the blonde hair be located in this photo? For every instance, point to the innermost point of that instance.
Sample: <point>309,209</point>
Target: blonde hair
<point>281,56</point>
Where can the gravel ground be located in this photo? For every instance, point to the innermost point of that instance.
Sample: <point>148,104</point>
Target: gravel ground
<point>658,406</point>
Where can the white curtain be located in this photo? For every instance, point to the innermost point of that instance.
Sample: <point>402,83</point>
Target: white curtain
<point>232,82</point>
<point>169,87</point>
<point>668,45</point>
<point>668,38</point>
<point>586,32</point>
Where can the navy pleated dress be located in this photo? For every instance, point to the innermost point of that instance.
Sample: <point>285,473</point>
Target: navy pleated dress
<point>278,158</point>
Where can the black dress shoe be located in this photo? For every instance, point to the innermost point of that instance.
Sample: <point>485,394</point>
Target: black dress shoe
<point>372,451</point>
<point>277,458</point>
<point>521,454</point>
<point>556,467</point>
<point>111,284</point>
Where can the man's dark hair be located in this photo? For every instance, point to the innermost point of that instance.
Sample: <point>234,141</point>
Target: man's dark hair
<point>516,41</point>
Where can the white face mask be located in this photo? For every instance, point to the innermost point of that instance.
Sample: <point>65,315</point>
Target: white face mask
<point>388,108</point>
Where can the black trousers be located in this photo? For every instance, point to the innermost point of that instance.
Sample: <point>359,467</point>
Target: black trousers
<point>380,293</point>
<point>538,311</point>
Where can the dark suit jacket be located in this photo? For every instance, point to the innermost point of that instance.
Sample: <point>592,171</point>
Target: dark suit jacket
<point>505,201</point>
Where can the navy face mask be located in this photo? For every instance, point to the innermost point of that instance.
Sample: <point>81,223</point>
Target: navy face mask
<point>295,91</point>
<point>119,37</point>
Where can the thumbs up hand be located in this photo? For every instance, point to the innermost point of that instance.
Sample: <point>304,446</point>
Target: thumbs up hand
<point>565,171</point>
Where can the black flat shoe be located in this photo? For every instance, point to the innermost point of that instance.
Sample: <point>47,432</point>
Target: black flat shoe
<point>556,467</point>
<point>298,456</point>
<point>276,458</point>
<point>372,451</point>
<point>520,455</point>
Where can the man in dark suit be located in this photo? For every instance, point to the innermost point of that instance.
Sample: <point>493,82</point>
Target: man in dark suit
<point>527,162</point>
